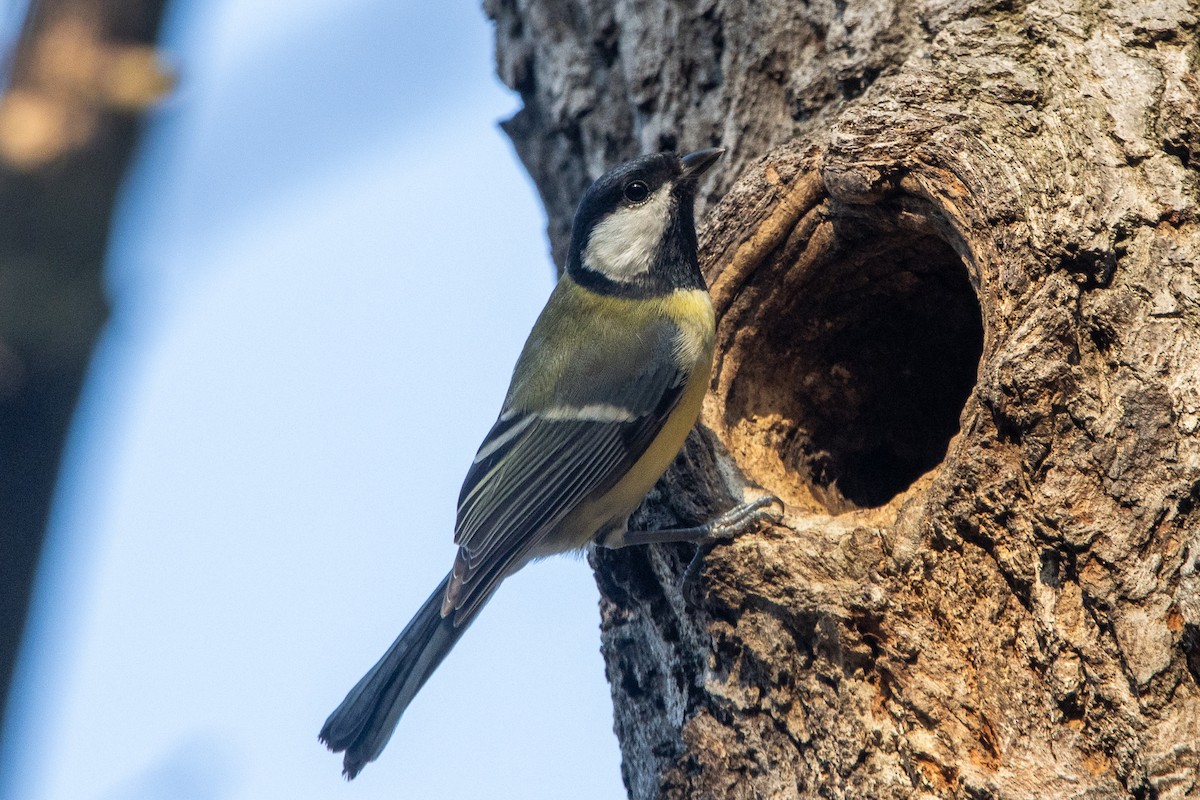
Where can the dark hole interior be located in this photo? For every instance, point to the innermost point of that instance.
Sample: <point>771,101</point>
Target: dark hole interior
<point>865,367</point>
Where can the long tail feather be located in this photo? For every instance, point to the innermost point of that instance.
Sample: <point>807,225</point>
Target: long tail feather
<point>363,723</point>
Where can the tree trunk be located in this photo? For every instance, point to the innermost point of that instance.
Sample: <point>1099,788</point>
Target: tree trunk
<point>80,74</point>
<point>953,251</point>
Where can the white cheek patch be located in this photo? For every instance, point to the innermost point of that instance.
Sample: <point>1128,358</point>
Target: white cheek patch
<point>623,244</point>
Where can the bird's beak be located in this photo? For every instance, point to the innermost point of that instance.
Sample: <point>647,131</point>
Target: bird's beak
<point>697,163</point>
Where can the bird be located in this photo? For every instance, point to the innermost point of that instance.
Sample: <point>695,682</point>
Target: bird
<point>603,395</point>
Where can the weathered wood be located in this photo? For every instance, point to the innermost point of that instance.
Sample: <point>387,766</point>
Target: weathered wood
<point>954,251</point>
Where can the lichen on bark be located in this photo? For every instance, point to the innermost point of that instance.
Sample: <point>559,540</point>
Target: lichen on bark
<point>954,256</point>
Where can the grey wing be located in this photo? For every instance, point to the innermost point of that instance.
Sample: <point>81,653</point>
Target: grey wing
<point>535,468</point>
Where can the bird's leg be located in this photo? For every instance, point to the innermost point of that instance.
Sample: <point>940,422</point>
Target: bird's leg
<point>734,522</point>
<point>738,520</point>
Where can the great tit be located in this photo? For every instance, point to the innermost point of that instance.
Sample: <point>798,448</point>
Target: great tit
<point>603,395</point>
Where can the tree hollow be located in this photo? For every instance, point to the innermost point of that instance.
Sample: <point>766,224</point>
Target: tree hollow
<point>862,366</point>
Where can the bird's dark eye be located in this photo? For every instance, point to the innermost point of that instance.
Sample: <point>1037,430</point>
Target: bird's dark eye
<point>636,191</point>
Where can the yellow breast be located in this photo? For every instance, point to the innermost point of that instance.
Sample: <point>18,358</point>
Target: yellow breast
<point>692,312</point>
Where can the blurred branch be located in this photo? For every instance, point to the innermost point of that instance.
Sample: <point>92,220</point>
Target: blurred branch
<point>81,73</point>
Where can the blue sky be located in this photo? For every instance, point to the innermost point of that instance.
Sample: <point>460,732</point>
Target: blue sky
<point>323,268</point>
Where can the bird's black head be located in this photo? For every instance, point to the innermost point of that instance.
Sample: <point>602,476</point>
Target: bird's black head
<point>634,231</point>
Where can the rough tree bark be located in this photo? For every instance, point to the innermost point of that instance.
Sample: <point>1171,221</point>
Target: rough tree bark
<point>75,84</point>
<point>953,250</point>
